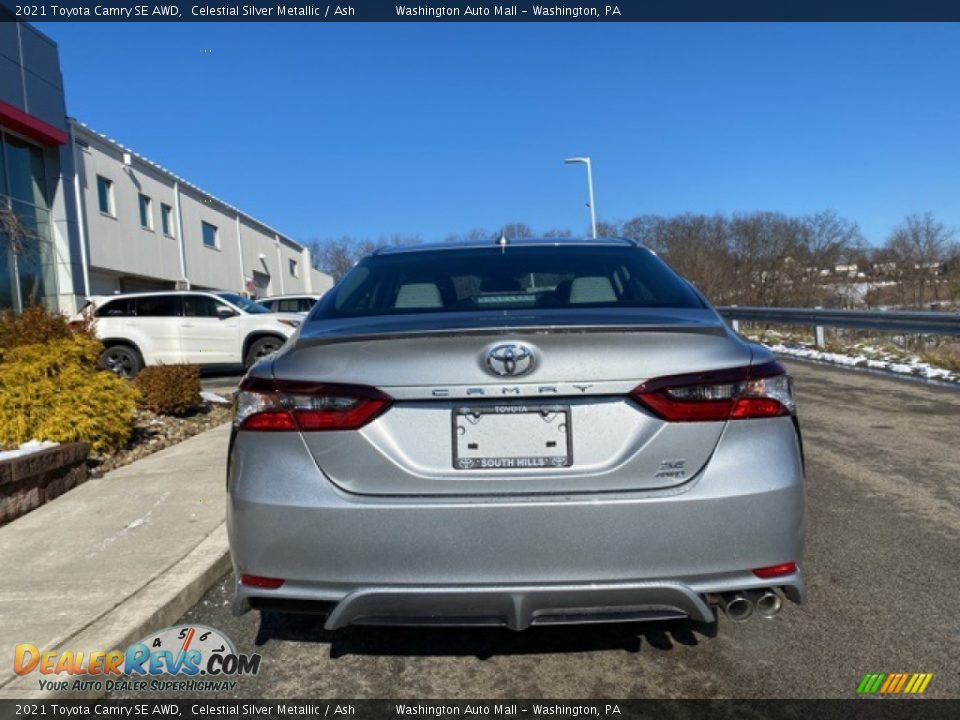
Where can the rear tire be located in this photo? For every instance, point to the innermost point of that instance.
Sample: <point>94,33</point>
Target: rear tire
<point>121,360</point>
<point>260,348</point>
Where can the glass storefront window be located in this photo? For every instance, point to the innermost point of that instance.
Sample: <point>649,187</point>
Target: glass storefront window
<point>35,262</point>
<point>27,174</point>
<point>8,283</point>
<point>27,259</point>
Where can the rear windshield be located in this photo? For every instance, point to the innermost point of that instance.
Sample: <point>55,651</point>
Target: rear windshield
<point>515,278</point>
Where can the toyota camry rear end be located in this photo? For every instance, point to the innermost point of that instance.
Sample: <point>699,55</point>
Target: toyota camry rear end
<point>515,434</point>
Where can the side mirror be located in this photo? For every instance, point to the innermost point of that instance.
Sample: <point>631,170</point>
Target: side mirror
<point>223,312</point>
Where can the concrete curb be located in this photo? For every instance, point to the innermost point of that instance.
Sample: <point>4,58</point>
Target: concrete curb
<point>156,605</point>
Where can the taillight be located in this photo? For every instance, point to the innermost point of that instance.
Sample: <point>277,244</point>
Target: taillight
<point>773,571</point>
<point>755,391</point>
<point>285,405</point>
<point>259,581</point>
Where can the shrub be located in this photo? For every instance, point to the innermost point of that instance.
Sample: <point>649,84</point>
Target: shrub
<point>946,356</point>
<point>37,325</point>
<point>169,389</point>
<point>53,390</point>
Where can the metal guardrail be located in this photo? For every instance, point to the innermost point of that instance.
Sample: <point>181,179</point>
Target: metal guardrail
<point>917,321</point>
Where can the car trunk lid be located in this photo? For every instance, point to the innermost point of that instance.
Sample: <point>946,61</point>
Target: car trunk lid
<point>567,425</point>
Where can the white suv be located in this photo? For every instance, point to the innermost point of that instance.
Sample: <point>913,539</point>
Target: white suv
<point>203,328</point>
<point>289,303</point>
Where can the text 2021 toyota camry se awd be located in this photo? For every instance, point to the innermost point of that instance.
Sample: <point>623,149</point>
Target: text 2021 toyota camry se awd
<point>516,433</point>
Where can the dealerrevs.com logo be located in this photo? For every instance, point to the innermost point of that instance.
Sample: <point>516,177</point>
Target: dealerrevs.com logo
<point>184,658</point>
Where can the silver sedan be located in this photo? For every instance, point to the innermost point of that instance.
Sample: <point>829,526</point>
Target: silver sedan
<point>516,433</point>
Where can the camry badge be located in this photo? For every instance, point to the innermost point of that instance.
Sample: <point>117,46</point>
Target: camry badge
<point>510,359</point>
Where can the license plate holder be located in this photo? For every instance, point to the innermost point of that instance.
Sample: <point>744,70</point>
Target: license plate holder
<point>512,437</point>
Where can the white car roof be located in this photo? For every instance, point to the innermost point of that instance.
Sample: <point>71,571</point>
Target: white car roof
<point>151,293</point>
<point>289,297</point>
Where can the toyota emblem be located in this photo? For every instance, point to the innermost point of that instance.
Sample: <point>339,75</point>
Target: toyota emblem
<point>510,359</point>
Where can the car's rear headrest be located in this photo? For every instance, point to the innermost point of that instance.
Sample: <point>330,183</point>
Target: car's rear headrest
<point>561,292</point>
<point>418,295</point>
<point>592,289</point>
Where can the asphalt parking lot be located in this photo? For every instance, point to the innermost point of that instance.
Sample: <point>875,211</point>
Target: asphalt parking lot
<point>883,463</point>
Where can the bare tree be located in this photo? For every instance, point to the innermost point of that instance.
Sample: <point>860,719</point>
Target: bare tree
<point>645,229</point>
<point>766,247</point>
<point>337,257</point>
<point>517,230</point>
<point>15,237</point>
<point>826,243</point>
<point>475,235</point>
<point>606,229</point>
<point>830,239</point>
<point>697,247</point>
<point>334,257</point>
<point>951,272</point>
<point>919,246</point>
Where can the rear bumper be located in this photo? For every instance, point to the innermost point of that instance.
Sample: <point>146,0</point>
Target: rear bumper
<point>516,561</point>
<point>516,607</point>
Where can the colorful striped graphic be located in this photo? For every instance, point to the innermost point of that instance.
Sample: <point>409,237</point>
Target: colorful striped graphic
<point>894,683</point>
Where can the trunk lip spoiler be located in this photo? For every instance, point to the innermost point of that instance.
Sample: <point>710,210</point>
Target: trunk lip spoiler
<point>718,329</point>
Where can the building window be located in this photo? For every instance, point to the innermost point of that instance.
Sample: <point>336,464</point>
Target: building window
<point>27,259</point>
<point>105,195</point>
<point>210,235</point>
<point>146,214</point>
<point>261,284</point>
<point>28,176</point>
<point>293,268</point>
<point>166,219</point>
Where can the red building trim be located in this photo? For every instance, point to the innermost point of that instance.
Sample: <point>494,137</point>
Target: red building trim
<point>26,124</point>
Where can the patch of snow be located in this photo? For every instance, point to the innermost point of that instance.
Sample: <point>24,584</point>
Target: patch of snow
<point>27,448</point>
<point>212,397</point>
<point>900,366</point>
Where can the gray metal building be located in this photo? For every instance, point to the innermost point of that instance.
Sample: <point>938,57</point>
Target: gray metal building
<point>146,229</point>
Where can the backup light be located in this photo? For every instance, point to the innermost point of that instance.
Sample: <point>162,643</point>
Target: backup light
<point>754,391</point>
<point>284,406</point>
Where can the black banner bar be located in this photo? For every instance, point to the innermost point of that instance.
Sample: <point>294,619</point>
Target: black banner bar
<point>455,11</point>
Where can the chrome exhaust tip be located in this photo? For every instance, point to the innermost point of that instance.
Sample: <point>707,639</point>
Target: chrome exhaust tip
<point>767,603</point>
<point>736,606</point>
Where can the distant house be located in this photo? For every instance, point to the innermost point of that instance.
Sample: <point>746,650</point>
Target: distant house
<point>850,270</point>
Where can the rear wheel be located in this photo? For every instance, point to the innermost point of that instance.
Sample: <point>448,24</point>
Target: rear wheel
<point>260,348</point>
<point>123,360</point>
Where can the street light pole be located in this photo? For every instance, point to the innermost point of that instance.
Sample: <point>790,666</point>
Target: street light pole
<point>593,210</point>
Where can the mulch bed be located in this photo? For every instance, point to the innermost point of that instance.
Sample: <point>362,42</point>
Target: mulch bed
<point>152,432</point>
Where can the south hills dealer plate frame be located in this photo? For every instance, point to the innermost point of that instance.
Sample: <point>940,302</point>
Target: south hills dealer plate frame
<point>552,415</point>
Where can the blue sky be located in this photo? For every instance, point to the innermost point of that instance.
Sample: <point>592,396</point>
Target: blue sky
<point>373,129</point>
